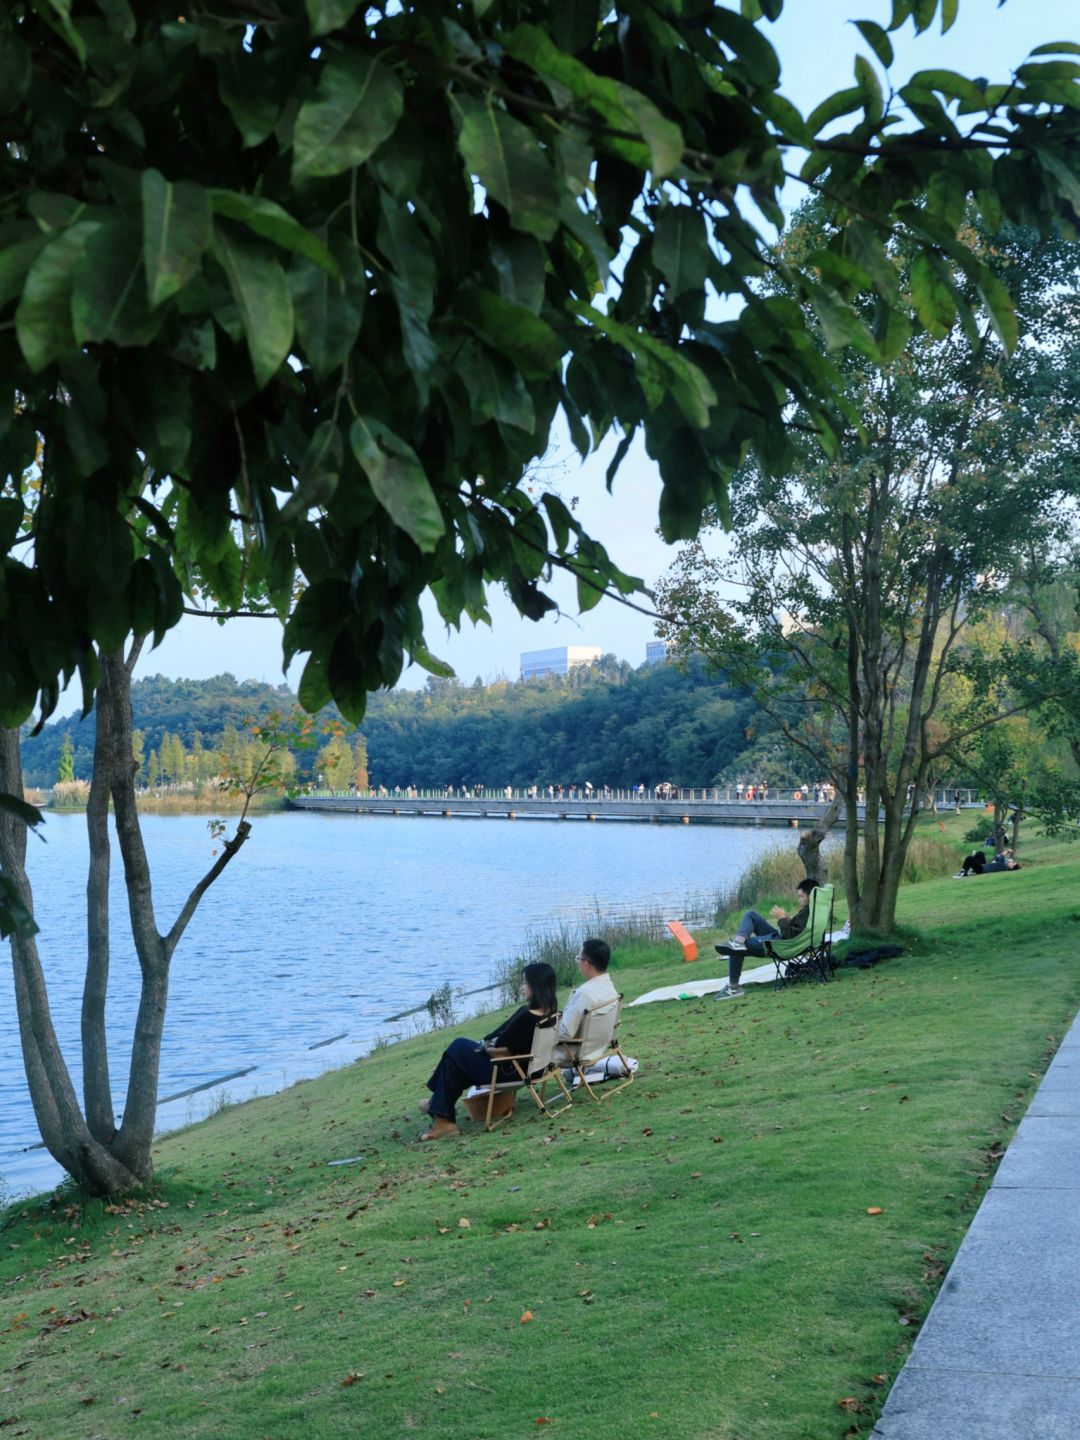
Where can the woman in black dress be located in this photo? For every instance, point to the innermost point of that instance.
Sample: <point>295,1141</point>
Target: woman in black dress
<point>468,1062</point>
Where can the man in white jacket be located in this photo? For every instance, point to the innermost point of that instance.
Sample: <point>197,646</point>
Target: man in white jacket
<point>596,989</point>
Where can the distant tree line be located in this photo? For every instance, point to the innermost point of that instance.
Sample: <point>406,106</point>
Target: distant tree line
<point>606,723</point>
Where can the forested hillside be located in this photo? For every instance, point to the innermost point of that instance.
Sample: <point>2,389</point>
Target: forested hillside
<point>608,725</point>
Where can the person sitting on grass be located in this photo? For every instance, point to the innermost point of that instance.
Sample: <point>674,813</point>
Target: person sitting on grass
<point>754,930</point>
<point>468,1062</point>
<point>597,989</point>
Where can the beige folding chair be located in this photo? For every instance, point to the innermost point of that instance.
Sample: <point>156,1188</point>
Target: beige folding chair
<point>533,1072</point>
<point>598,1039</point>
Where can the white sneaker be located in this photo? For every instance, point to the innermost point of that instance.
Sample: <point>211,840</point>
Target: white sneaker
<point>737,942</point>
<point>730,992</point>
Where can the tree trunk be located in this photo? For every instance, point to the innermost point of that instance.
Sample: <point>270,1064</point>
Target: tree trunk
<point>102,1160</point>
<point>97,1089</point>
<point>810,842</point>
<point>56,1108</point>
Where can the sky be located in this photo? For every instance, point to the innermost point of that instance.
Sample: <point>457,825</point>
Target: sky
<point>817,44</point>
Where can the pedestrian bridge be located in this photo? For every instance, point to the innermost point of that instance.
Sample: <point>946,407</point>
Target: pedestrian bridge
<point>700,807</point>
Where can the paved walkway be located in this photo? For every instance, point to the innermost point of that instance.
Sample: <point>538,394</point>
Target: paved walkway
<point>999,1355</point>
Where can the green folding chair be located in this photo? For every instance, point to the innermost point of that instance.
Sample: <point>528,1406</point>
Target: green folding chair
<point>807,956</point>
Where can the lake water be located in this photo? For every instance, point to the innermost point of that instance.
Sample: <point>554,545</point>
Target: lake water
<point>324,924</point>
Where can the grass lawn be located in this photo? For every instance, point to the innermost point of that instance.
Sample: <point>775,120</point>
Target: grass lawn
<point>693,1260</point>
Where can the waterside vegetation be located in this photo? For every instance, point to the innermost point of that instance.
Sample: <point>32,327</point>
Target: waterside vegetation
<point>749,1236</point>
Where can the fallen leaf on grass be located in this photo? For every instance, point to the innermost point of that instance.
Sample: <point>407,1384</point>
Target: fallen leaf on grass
<point>874,1210</point>
<point>881,1379</point>
<point>399,1283</point>
<point>352,1377</point>
<point>595,1220</point>
<point>849,1402</point>
<point>542,1420</point>
<point>464,1224</point>
<point>526,1316</point>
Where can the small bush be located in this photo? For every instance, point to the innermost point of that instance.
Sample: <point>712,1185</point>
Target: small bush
<point>928,858</point>
<point>774,873</point>
<point>442,1006</point>
<point>70,795</point>
<point>559,941</point>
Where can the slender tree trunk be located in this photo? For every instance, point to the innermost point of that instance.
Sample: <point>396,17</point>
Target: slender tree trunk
<point>102,1166</point>
<point>56,1106</point>
<point>810,842</point>
<point>97,1089</point>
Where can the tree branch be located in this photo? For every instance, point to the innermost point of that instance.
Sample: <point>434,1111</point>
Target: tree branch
<point>191,904</point>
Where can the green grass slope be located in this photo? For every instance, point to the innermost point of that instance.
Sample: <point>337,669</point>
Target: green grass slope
<point>692,1260</point>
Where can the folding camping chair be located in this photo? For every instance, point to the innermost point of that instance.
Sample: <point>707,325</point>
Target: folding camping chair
<point>532,1071</point>
<point>598,1039</point>
<point>807,956</point>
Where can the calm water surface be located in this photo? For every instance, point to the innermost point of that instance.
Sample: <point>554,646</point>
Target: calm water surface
<point>324,924</point>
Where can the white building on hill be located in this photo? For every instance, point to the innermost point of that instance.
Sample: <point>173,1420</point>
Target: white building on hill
<point>559,661</point>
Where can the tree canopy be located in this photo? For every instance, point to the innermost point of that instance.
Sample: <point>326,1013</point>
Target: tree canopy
<point>292,293</point>
<point>857,579</point>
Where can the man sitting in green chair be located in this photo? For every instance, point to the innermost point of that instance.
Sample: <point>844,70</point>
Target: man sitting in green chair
<point>754,930</point>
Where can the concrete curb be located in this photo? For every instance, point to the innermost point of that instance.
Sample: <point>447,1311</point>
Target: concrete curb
<point>999,1355</point>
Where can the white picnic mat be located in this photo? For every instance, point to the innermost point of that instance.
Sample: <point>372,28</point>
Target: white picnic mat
<point>694,989</point>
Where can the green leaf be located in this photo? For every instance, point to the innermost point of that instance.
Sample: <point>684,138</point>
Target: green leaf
<point>423,657</point>
<point>892,333</point>
<point>870,86</point>
<point>15,261</point>
<point>398,480</point>
<point>1058,47</point>
<point>275,224</point>
<point>242,87</point>
<point>1067,176</point>
<point>867,250</point>
<point>327,15</point>
<point>948,83</point>
<point>328,312</point>
<point>314,690</point>
<point>756,57</point>
<point>933,303</point>
<point>877,39</point>
<point>1000,307</point>
<point>511,165</point>
<point>14,71</point>
<point>21,809</point>
<point>837,318</point>
<point>522,337</point>
<point>57,14</point>
<point>357,106</point>
<point>405,245</point>
<point>680,248</point>
<point>43,320</point>
<point>842,103</point>
<point>177,228</point>
<point>15,916</point>
<point>663,136</point>
<point>949,11</point>
<point>618,105</point>
<point>261,292</point>
<point>590,588</point>
<point>657,364</point>
<point>108,299</point>
<point>496,390</point>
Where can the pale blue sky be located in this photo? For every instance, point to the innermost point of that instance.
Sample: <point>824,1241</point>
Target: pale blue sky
<point>817,44</point>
